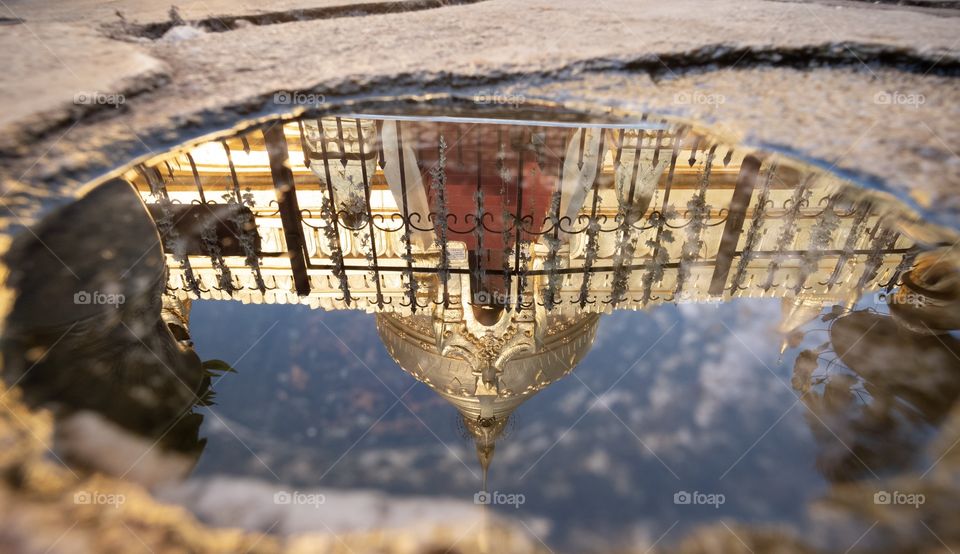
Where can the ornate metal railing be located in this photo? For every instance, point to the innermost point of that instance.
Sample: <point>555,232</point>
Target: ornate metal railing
<point>351,233</point>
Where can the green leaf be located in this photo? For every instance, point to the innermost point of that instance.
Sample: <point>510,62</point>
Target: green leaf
<point>218,366</point>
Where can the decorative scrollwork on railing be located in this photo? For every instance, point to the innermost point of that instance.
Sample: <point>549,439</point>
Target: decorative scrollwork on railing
<point>243,221</point>
<point>177,244</point>
<point>788,232</point>
<point>755,231</point>
<point>861,211</point>
<point>393,222</point>
<point>821,237</point>
<point>503,232</point>
<point>590,256</point>
<point>551,264</point>
<point>210,243</point>
<point>699,211</point>
<point>906,262</point>
<point>332,235</point>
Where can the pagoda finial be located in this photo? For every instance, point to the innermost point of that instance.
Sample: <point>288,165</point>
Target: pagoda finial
<point>485,432</point>
<point>485,455</point>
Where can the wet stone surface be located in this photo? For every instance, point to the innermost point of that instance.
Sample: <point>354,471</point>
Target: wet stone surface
<point>530,331</point>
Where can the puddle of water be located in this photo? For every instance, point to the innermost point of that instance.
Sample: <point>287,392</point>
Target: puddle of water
<point>595,335</point>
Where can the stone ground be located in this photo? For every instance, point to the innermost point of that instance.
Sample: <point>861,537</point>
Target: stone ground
<point>140,11</point>
<point>803,77</point>
<point>869,91</point>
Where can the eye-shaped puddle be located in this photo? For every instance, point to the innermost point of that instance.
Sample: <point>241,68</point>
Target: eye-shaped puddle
<point>755,338</point>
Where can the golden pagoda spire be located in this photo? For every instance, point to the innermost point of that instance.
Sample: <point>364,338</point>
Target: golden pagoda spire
<point>485,432</point>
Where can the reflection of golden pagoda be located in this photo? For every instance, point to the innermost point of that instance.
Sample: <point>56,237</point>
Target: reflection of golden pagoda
<point>489,250</point>
<point>486,367</point>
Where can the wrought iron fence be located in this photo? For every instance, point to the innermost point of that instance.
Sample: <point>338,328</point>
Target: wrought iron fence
<point>766,199</point>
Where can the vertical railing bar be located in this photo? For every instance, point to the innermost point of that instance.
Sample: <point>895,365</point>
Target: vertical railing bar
<point>616,160</point>
<point>756,225</point>
<point>285,190</point>
<point>370,226</point>
<point>878,246</point>
<point>161,182</point>
<point>636,167</point>
<point>334,220</point>
<point>406,218</point>
<point>382,161</point>
<point>504,233</point>
<point>154,180</point>
<point>661,221</point>
<point>906,262</point>
<point>303,144</point>
<point>340,143</point>
<point>518,220</point>
<point>481,268</point>
<point>626,224</point>
<point>591,235</point>
<point>656,148</point>
<point>233,172</point>
<point>693,150</point>
<point>733,228</point>
<point>556,227</point>
<point>694,235</point>
<point>583,147</point>
<point>861,215</point>
<point>563,161</point>
<point>677,138</point>
<point>443,212</point>
<point>196,178</point>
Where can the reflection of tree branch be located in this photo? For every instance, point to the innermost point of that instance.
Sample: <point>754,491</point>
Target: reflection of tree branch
<point>872,400</point>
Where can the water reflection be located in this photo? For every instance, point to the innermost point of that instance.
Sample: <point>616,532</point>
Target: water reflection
<point>886,383</point>
<point>86,333</point>
<point>488,253</point>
